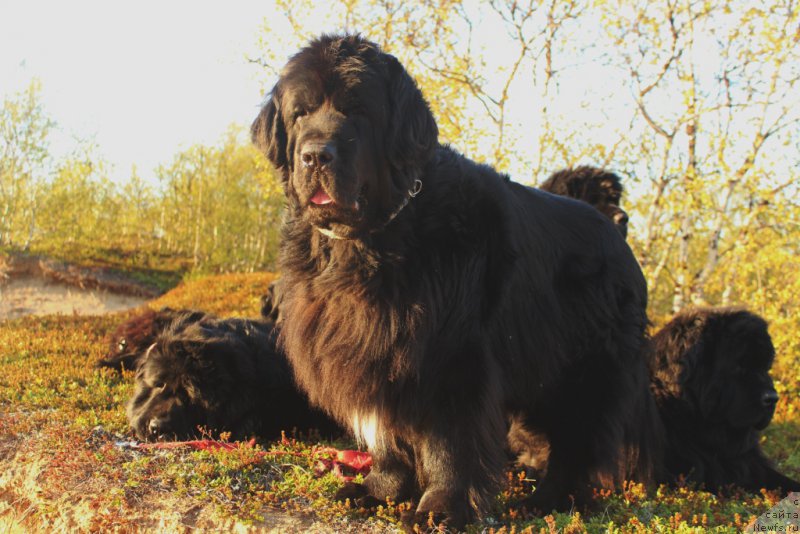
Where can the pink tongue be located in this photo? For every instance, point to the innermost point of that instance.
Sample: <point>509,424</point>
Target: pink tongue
<point>321,197</point>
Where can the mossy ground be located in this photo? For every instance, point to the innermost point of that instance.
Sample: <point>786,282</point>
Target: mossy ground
<point>60,466</point>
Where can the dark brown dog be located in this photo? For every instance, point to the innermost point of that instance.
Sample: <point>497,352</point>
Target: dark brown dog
<point>426,299</point>
<point>712,385</point>
<point>195,370</point>
<point>219,374</point>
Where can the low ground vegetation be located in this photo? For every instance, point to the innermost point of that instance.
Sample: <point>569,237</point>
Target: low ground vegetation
<point>64,466</point>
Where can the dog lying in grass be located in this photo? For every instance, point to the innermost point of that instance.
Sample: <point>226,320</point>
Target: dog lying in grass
<point>195,370</point>
<point>711,382</point>
<point>714,393</point>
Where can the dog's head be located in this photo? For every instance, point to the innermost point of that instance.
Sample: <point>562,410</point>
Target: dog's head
<point>598,187</point>
<point>187,379</point>
<point>349,131</point>
<point>717,362</point>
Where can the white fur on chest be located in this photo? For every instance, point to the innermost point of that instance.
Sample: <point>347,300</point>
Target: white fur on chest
<point>366,427</point>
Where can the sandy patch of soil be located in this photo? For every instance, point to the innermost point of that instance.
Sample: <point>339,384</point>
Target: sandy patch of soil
<point>30,295</point>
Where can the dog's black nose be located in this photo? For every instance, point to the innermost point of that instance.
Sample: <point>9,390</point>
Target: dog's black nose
<point>314,154</point>
<point>769,398</point>
<point>158,426</point>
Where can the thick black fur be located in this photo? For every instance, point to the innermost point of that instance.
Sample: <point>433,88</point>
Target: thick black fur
<point>712,385</point>
<point>479,300</point>
<point>224,375</point>
<point>598,187</point>
<point>603,190</point>
<point>130,340</point>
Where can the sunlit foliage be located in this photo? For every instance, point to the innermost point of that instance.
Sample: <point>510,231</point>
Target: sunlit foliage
<point>212,209</point>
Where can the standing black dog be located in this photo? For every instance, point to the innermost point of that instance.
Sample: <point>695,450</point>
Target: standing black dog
<point>603,190</point>
<point>598,187</point>
<point>426,299</point>
<point>712,385</point>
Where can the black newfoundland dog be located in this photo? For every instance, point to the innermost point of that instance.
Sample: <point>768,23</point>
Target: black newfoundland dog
<point>712,385</point>
<point>598,187</point>
<point>427,299</point>
<point>196,370</point>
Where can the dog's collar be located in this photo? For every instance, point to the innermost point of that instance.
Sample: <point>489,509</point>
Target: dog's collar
<point>413,192</point>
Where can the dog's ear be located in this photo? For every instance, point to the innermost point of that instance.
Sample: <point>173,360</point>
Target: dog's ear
<point>218,358</point>
<point>268,132</point>
<point>413,131</point>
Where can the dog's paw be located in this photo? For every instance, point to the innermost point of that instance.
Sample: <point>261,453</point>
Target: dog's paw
<point>358,495</point>
<point>423,522</point>
<point>438,511</point>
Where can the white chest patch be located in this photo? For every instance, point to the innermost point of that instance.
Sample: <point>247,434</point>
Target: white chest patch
<point>366,428</point>
<point>329,233</point>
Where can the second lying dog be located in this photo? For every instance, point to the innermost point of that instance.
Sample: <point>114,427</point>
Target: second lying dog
<point>220,374</point>
<point>710,378</point>
<point>714,393</point>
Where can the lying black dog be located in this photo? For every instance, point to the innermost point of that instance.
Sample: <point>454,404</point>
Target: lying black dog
<point>219,374</point>
<point>712,385</point>
<point>598,187</point>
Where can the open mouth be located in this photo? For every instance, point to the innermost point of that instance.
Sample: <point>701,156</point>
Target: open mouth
<point>321,198</point>
<point>333,217</point>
